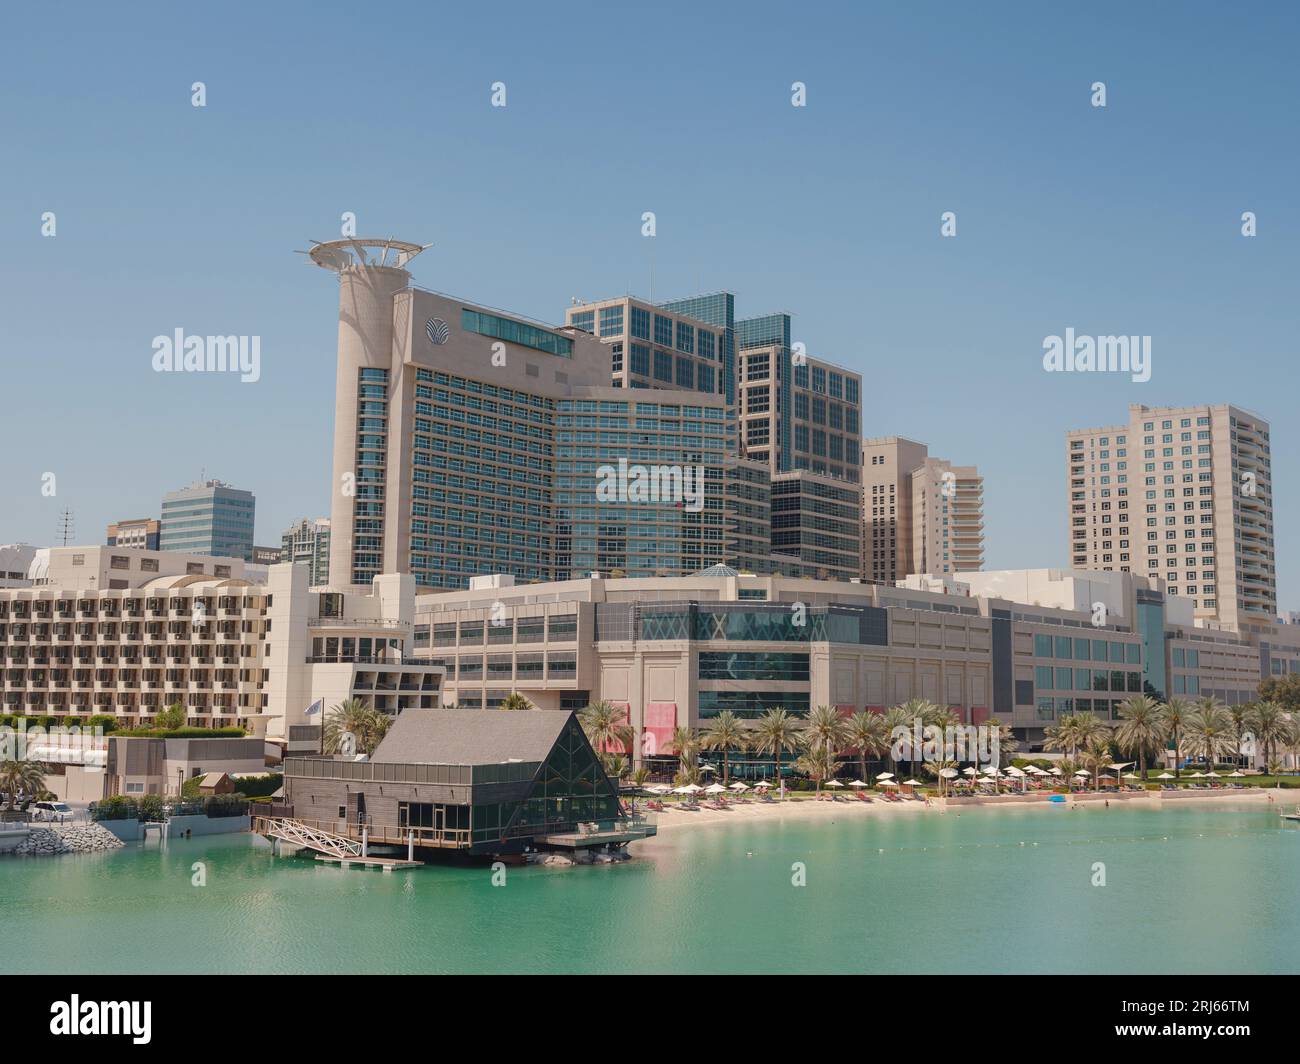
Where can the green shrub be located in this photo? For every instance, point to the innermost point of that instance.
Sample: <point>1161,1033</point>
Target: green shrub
<point>118,807</point>
<point>259,786</point>
<point>100,721</point>
<point>188,732</point>
<point>224,805</point>
<point>151,807</point>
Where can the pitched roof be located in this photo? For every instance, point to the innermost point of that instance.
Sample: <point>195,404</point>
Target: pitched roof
<point>470,736</point>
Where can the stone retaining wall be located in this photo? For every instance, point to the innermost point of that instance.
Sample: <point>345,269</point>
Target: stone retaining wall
<point>67,838</point>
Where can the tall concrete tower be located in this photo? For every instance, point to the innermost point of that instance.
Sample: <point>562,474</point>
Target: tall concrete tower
<point>371,274</point>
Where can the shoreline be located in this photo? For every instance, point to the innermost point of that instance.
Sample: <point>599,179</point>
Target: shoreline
<point>803,809</point>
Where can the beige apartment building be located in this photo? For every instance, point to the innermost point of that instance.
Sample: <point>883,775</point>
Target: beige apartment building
<point>230,651</point>
<point>921,515</point>
<point>1184,494</point>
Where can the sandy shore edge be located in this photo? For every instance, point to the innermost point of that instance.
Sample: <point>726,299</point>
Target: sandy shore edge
<point>803,809</point>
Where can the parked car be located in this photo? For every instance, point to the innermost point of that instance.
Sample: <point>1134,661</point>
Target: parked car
<point>58,811</point>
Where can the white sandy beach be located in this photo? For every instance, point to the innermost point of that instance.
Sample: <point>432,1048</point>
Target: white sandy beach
<point>804,809</point>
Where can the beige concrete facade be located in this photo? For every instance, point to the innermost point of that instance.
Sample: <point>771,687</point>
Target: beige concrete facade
<point>230,651</point>
<point>1185,494</point>
<point>1022,647</point>
<point>921,515</point>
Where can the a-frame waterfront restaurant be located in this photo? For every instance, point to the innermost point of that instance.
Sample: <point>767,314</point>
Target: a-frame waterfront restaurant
<point>469,781</point>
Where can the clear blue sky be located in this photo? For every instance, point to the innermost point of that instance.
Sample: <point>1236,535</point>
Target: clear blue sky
<point>1122,220</point>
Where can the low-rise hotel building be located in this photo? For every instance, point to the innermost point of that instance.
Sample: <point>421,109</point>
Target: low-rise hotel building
<point>1023,648</point>
<point>127,633</point>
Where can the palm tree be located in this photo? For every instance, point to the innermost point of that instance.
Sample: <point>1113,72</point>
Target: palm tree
<point>1270,724</point>
<point>1096,756</point>
<point>898,722</point>
<point>606,726</point>
<point>21,777</point>
<point>1007,743</point>
<point>867,735</point>
<point>937,768</point>
<point>926,712</point>
<point>825,727</point>
<point>685,744</point>
<point>1239,713</point>
<point>1071,734</point>
<point>775,733</point>
<point>817,761</point>
<point>1174,714</point>
<point>1209,732</point>
<point>726,732</point>
<point>1143,727</point>
<point>515,701</point>
<point>352,717</point>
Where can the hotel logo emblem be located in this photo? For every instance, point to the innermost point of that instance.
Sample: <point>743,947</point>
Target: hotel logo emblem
<point>437,330</point>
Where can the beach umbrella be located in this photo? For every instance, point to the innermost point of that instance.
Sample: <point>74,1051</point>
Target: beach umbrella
<point>832,783</point>
<point>1131,776</point>
<point>1238,773</point>
<point>762,785</point>
<point>859,783</point>
<point>690,788</point>
<point>1081,773</point>
<point>1120,767</point>
<point>1013,771</point>
<point>910,783</point>
<point>1212,774</point>
<point>886,783</point>
<point>715,788</point>
<point>885,776</point>
<point>1197,776</point>
<point>738,786</point>
<point>969,772</point>
<point>1165,776</point>
<point>948,773</point>
<point>1056,770</point>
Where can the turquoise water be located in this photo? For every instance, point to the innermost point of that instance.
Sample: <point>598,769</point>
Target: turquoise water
<point>1187,889</point>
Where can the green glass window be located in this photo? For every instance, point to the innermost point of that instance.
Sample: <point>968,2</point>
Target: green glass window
<point>1083,679</point>
<point>1043,677</point>
<point>516,332</point>
<point>1099,650</point>
<point>1064,679</point>
<point>1043,646</point>
<point>757,666</point>
<point>1063,646</point>
<point>1081,649</point>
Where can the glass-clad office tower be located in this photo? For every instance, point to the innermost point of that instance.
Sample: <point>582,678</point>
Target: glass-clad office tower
<point>208,517</point>
<point>612,447</point>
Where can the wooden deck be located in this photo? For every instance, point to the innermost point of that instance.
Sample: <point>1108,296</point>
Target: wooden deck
<point>386,864</point>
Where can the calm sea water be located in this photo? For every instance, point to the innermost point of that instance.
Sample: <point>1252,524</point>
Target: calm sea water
<point>1187,889</point>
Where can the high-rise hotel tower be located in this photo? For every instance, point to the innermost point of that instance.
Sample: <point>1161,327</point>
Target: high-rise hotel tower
<point>468,441</point>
